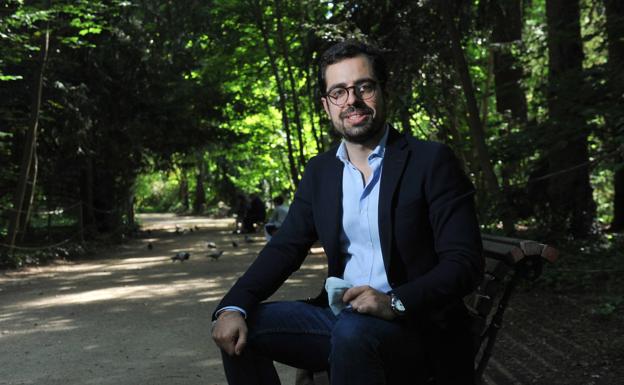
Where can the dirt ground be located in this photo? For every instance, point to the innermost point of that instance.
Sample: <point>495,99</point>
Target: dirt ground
<point>129,315</point>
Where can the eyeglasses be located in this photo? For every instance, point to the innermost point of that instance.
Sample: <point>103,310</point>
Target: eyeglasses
<point>364,91</point>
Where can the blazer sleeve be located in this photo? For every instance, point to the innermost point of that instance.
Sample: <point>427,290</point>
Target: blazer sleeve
<point>449,195</point>
<point>282,256</point>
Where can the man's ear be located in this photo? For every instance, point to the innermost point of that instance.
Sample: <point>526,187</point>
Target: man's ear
<point>325,106</point>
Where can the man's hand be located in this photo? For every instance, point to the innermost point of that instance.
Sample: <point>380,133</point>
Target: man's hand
<point>230,332</point>
<point>366,300</point>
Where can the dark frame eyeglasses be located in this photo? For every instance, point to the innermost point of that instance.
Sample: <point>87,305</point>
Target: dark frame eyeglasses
<point>339,95</point>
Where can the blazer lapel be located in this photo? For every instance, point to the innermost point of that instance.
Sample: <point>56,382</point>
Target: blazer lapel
<point>395,159</point>
<point>332,214</point>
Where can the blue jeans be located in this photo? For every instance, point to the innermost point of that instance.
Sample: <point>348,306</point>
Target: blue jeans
<point>357,349</point>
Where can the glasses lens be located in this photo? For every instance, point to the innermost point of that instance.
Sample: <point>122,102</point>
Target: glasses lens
<point>366,90</point>
<point>338,95</point>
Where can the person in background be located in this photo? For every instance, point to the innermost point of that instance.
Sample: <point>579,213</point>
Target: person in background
<point>256,214</point>
<point>280,211</point>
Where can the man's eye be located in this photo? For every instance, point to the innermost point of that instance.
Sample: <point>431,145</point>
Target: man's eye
<point>366,87</point>
<point>337,92</point>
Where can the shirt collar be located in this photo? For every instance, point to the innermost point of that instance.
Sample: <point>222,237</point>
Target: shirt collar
<point>378,152</point>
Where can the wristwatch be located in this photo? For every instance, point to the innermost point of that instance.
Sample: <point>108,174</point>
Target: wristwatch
<point>397,306</point>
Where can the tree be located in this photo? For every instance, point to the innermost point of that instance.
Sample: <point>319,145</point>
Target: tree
<point>474,121</point>
<point>615,118</point>
<point>28,168</point>
<point>569,190</point>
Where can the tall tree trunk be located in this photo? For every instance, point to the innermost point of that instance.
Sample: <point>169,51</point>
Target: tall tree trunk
<point>256,8</point>
<point>474,121</point>
<point>615,120</point>
<point>31,138</point>
<point>569,193</point>
<point>199,203</point>
<point>511,100</point>
<point>183,192</point>
<point>281,38</point>
<point>88,196</point>
<point>507,31</point>
<point>404,109</point>
<point>311,101</point>
<point>30,194</point>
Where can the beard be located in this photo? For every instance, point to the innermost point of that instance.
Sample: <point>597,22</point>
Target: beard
<point>360,132</point>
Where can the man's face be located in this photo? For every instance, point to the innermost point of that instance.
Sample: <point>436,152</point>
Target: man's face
<point>357,120</point>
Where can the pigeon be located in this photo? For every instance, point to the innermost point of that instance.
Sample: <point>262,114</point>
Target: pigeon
<point>248,239</point>
<point>215,254</point>
<point>211,245</point>
<point>177,230</point>
<point>196,228</point>
<point>150,246</point>
<point>181,256</point>
<point>234,244</point>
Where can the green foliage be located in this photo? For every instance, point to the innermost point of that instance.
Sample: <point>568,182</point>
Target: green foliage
<point>143,99</point>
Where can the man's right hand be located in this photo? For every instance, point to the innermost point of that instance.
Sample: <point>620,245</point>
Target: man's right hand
<point>230,332</point>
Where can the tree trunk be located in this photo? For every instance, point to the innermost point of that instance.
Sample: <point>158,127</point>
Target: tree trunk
<point>311,99</point>
<point>615,120</point>
<point>291,80</point>
<point>474,121</point>
<point>88,197</point>
<point>404,109</point>
<point>257,11</point>
<point>31,139</point>
<point>32,183</point>
<point>510,97</point>
<point>506,31</point>
<point>183,193</point>
<point>569,193</point>
<point>199,202</point>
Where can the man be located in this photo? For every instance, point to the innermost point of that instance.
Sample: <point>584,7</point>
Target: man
<point>396,219</point>
<point>280,211</point>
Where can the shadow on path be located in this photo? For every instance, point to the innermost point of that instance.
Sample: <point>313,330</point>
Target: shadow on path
<point>131,315</point>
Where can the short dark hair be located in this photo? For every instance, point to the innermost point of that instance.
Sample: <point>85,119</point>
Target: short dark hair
<point>348,49</point>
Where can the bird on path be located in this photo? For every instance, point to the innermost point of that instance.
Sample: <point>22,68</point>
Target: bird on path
<point>234,244</point>
<point>177,230</point>
<point>215,254</point>
<point>211,245</point>
<point>181,256</point>
<point>150,246</point>
<point>248,239</point>
<point>196,228</point>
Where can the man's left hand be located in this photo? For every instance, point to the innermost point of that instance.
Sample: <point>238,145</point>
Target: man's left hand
<point>366,300</point>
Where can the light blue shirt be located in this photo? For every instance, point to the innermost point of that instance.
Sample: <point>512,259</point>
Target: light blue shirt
<point>359,237</point>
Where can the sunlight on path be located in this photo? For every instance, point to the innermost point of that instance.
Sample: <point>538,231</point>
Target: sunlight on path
<point>131,315</point>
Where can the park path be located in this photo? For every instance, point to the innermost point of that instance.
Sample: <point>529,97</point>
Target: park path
<point>129,315</point>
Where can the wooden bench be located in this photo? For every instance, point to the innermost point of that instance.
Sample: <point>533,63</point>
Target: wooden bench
<point>507,262</point>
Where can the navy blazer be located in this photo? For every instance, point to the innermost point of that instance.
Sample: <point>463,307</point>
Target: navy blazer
<point>429,233</point>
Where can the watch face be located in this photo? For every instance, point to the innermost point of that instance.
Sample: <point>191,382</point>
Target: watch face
<point>397,305</point>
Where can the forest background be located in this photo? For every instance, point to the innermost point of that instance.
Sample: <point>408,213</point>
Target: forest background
<point>114,107</point>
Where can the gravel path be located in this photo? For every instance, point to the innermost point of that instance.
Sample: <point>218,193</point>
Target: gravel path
<point>130,315</point>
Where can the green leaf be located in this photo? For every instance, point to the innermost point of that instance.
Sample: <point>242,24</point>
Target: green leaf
<point>5,78</point>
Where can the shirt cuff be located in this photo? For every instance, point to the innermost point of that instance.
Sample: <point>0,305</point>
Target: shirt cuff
<point>231,308</point>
